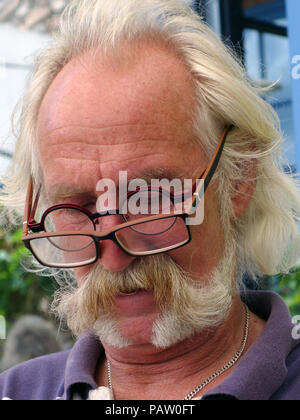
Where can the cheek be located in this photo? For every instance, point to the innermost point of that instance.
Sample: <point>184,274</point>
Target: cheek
<point>201,256</point>
<point>81,273</point>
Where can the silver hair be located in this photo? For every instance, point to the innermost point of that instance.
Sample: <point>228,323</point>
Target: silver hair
<point>266,234</point>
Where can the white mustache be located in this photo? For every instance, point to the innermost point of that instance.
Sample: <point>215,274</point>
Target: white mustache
<point>148,273</point>
<point>185,307</point>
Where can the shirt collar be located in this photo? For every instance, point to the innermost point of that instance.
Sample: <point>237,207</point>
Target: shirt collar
<point>262,370</point>
<point>81,365</point>
<point>256,377</point>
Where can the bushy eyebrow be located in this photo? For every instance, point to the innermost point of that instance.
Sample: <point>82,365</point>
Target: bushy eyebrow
<point>65,191</point>
<point>156,173</point>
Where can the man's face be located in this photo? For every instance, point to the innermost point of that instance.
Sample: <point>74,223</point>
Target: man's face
<point>97,120</point>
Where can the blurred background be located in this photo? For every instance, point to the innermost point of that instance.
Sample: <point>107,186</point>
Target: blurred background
<point>266,35</point>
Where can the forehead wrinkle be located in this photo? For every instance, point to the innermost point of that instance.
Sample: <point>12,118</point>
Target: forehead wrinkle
<point>121,143</point>
<point>110,161</point>
<point>138,134</point>
<point>90,127</point>
<point>123,153</point>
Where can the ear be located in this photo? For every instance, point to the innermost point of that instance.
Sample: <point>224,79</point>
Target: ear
<point>244,189</point>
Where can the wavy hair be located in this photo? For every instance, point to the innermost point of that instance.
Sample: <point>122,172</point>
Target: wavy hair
<point>266,235</point>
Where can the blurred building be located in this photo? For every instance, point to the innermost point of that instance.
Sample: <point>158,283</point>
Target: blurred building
<point>266,34</point>
<point>24,29</point>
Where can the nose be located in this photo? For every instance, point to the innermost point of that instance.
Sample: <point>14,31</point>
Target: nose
<point>112,257</point>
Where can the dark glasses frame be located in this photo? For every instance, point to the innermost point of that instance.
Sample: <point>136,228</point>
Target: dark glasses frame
<point>32,229</point>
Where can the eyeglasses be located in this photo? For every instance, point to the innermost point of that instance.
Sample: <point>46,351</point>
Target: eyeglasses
<point>67,235</point>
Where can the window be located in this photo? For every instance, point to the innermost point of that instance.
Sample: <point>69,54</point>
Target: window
<point>267,60</point>
<point>259,30</point>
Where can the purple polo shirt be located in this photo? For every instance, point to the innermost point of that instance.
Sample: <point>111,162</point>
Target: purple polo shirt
<point>270,370</point>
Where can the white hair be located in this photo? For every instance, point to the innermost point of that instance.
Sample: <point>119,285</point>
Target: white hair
<point>266,234</point>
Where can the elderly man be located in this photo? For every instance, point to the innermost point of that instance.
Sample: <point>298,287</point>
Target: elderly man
<point>147,90</point>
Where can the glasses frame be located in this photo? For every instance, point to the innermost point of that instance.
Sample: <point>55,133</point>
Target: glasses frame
<point>30,225</point>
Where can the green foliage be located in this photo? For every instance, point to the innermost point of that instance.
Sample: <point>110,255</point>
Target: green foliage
<point>20,292</point>
<point>289,288</point>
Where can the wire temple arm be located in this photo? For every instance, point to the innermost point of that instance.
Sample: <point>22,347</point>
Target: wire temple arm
<point>211,169</point>
<point>34,207</point>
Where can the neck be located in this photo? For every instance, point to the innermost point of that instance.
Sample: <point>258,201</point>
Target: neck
<point>145,372</point>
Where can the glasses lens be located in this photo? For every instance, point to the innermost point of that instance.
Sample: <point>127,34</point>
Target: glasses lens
<point>66,250</point>
<point>67,219</point>
<point>146,203</point>
<point>154,237</point>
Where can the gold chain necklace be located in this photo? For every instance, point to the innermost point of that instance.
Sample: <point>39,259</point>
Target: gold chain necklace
<point>215,375</point>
